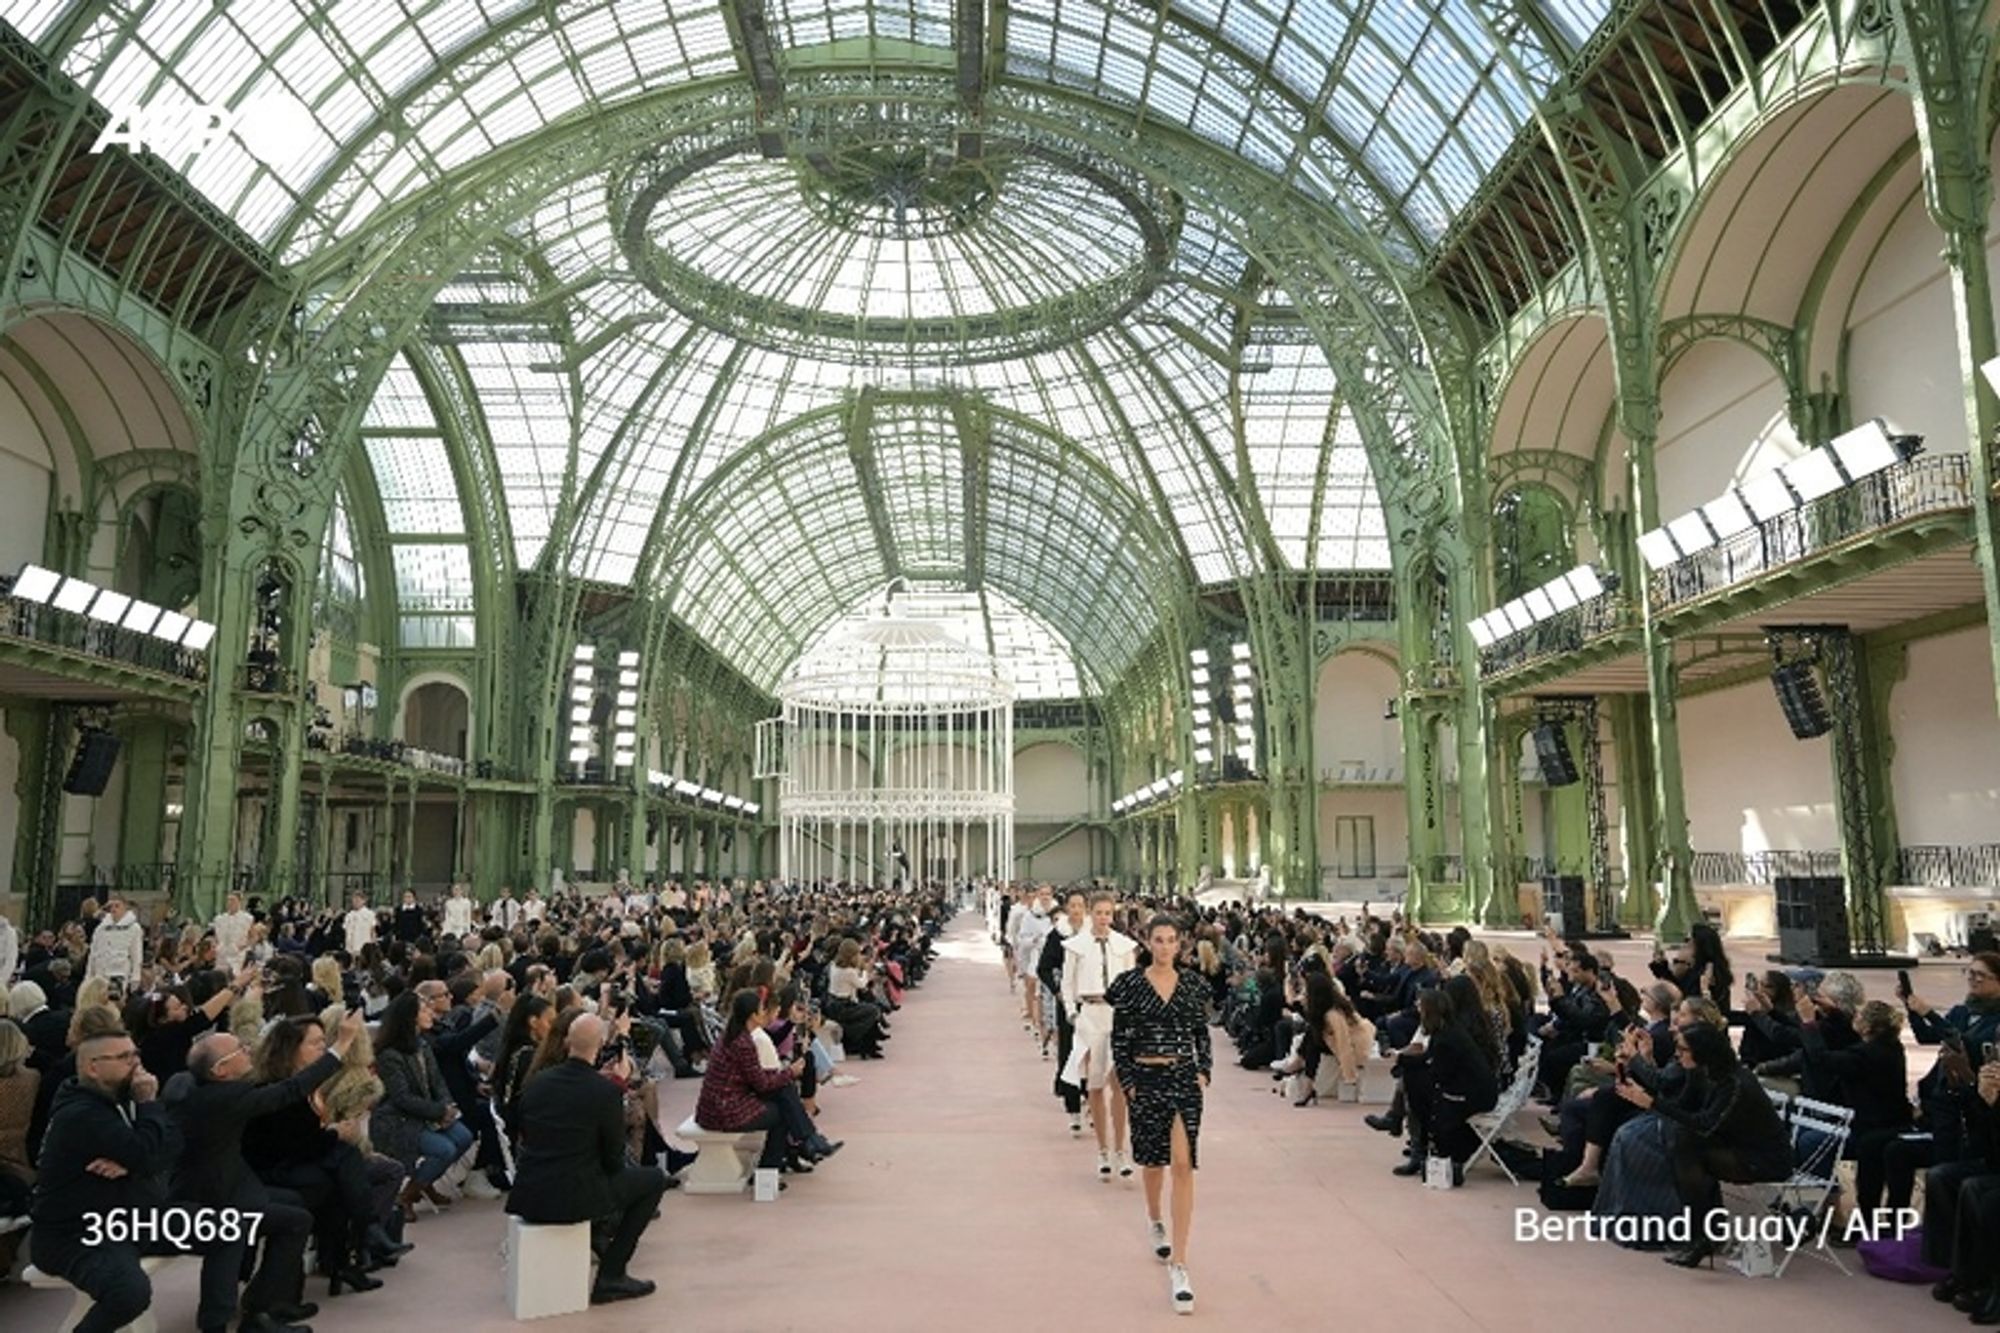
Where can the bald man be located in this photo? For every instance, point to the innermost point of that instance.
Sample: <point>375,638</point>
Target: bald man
<point>572,1168</point>
<point>211,1102</point>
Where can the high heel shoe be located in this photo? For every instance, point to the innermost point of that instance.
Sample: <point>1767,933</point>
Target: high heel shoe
<point>1695,1255</point>
<point>407,1201</point>
<point>381,1244</point>
<point>1312,1095</point>
<point>353,1278</point>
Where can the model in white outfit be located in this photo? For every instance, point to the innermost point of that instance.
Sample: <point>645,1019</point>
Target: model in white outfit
<point>10,949</point>
<point>232,934</point>
<point>118,946</point>
<point>505,911</point>
<point>532,907</point>
<point>1093,959</point>
<point>458,912</point>
<point>1032,931</point>
<point>358,925</point>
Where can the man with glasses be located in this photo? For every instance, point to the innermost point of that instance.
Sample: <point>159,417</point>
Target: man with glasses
<point>107,1153</point>
<point>212,1102</point>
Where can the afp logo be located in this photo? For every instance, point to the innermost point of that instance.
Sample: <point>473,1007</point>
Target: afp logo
<point>271,129</point>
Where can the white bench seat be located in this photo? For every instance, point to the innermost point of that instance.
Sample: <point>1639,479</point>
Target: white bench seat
<point>152,1264</point>
<point>726,1162</point>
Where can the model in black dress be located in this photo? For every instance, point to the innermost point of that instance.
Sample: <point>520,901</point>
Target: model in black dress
<point>1160,1051</point>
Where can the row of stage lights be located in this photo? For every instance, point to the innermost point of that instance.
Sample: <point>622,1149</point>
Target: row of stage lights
<point>1859,453</point>
<point>1149,794</point>
<point>1210,711</point>
<point>583,717</point>
<point>45,587</point>
<point>666,783</point>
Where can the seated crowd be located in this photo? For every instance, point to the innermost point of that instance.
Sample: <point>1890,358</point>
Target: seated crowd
<point>1657,1089</point>
<point>335,1074</point>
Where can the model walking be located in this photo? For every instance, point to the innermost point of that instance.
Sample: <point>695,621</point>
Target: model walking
<point>1076,911</point>
<point>1093,959</point>
<point>1159,1046</point>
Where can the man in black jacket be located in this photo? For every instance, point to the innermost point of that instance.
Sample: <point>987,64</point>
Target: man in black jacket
<point>458,1030</point>
<point>572,1167</point>
<point>212,1102</point>
<point>106,1155</point>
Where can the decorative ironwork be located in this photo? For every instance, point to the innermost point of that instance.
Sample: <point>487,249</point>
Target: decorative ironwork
<point>1934,484</point>
<point>1583,711</point>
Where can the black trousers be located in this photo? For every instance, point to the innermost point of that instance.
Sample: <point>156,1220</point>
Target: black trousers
<point>635,1193</point>
<point>109,1274</point>
<point>1072,1096</point>
<point>1902,1159</point>
<point>1944,1196</point>
<point>772,1121</point>
<point>1870,1150</point>
<point>336,1189</point>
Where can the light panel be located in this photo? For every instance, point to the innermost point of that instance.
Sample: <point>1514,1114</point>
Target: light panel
<point>35,584</point>
<point>140,617</point>
<point>1560,594</point>
<point>1585,581</point>
<point>1657,549</point>
<point>1482,633</point>
<point>1767,497</point>
<point>110,607</point>
<point>199,636</point>
<point>170,626</point>
<point>74,595</point>
<point>1812,474</point>
<point>1865,450</point>
<point>1690,533</point>
<point>1728,515</point>
<point>1538,603</point>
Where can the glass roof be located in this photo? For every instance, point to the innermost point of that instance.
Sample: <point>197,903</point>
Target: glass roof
<point>357,103</point>
<point>1031,656</point>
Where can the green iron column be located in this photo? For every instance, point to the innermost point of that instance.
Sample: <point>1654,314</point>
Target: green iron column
<point>39,729</point>
<point>1632,743</point>
<point>147,740</point>
<point>405,873</point>
<point>1502,804</point>
<point>382,861</point>
<point>322,845</point>
<point>1859,682</point>
<point>215,757</point>
<point>1949,50</point>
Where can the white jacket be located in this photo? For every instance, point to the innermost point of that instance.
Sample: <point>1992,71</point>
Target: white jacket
<point>458,916</point>
<point>232,937</point>
<point>359,926</point>
<point>1084,965</point>
<point>118,948</point>
<point>10,950</point>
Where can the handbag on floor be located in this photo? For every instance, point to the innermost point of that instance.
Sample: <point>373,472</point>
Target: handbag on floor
<point>1438,1173</point>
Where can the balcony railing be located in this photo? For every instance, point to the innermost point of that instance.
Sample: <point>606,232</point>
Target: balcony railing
<point>1564,632</point>
<point>1950,867</point>
<point>1934,484</point>
<point>43,624</point>
<point>1721,868</point>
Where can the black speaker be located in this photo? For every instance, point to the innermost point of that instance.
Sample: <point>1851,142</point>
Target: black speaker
<point>90,769</point>
<point>652,828</point>
<point>1799,696</point>
<point>1563,905</point>
<point>1552,751</point>
<point>1812,919</point>
<point>600,711</point>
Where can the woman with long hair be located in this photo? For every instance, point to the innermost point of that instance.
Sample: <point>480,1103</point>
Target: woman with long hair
<point>861,1025</point>
<point>737,1092</point>
<point>1160,1051</point>
<point>528,1024</point>
<point>1455,1080</point>
<point>417,1122</point>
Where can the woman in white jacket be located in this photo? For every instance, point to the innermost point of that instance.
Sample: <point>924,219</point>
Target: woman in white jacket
<point>458,912</point>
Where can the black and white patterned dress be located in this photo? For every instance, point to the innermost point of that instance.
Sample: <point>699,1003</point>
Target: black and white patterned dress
<point>1142,1024</point>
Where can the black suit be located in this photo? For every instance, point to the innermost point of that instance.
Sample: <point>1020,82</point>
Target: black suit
<point>212,1116</point>
<point>572,1167</point>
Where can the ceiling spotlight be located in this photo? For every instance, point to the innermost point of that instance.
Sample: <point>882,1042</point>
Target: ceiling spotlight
<point>35,584</point>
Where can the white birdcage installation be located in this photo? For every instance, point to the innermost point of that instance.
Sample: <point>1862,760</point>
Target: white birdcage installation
<point>897,744</point>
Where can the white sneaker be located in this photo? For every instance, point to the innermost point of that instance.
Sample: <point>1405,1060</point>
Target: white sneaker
<point>1103,1165</point>
<point>478,1186</point>
<point>1124,1164</point>
<point>843,1081</point>
<point>1076,1126</point>
<point>1183,1292</point>
<point>1161,1246</point>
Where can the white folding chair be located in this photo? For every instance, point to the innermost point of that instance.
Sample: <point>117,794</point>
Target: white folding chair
<point>1489,1125</point>
<point>1819,1132</point>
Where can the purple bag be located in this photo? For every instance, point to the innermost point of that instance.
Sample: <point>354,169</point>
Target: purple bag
<point>1899,1260</point>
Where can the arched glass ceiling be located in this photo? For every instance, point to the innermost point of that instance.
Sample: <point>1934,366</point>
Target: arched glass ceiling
<point>423,511</point>
<point>802,529</point>
<point>1406,99</point>
<point>1032,657</point>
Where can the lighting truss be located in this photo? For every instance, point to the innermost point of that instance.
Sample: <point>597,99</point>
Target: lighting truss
<point>1150,794</point>
<point>625,737</point>
<point>582,696</point>
<point>1848,458</point>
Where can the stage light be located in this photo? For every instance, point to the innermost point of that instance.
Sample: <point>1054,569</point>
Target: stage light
<point>1538,603</point>
<point>580,755</point>
<point>1690,533</point>
<point>1198,656</point>
<point>751,807</point>
<point>109,607</point>
<point>74,595</point>
<point>1865,450</point>
<point>170,626</point>
<point>1482,634</point>
<point>628,698</point>
<point>1202,717</point>
<point>1657,549</point>
<point>1727,515</point>
<point>139,617</point>
<point>1587,583</point>
<point>1767,496</point>
<point>1242,671</point>
<point>1560,594</point>
<point>629,658</point>
<point>1204,756</point>
<point>586,652</point>
<point>583,673</point>
<point>626,717</point>
<point>1240,651</point>
<point>35,584</point>
<point>1200,677</point>
<point>1812,474</point>
<point>580,697</point>
<point>199,636</point>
